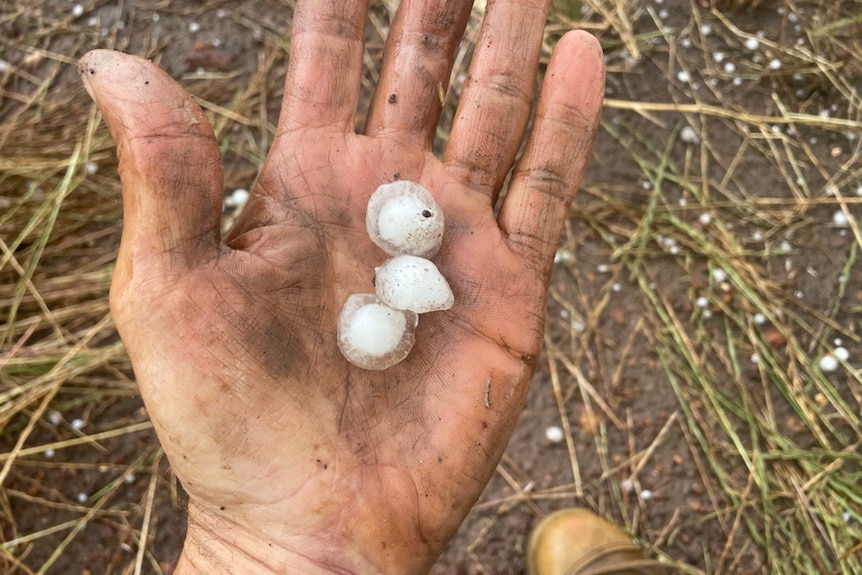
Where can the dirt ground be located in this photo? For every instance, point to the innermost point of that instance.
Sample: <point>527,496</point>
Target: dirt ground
<point>629,451</point>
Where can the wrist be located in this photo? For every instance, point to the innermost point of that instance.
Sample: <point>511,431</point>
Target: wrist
<point>215,545</point>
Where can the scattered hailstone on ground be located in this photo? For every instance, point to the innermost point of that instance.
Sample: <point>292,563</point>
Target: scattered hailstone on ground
<point>752,43</point>
<point>841,353</point>
<point>82,497</point>
<point>719,275</point>
<point>373,335</point>
<point>237,198</point>
<point>403,218</point>
<point>689,135</point>
<point>555,434</point>
<point>702,301</point>
<point>828,363</point>
<point>705,218</point>
<point>839,219</point>
<point>78,423</point>
<point>412,283</point>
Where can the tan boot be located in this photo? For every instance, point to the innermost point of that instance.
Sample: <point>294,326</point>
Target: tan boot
<point>577,542</point>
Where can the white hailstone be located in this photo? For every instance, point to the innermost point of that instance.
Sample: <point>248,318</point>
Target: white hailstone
<point>859,190</point>
<point>646,494</point>
<point>50,453</point>
<point>403,218</point>
<point>564,256</point>
<point>841,353</point>
<point>759,319</point>
<point>718,57</point>
<point>685,42</point>
<point>4,66</point>
<point>702,301</point>
<point>194,27</point>
<point>91,168</point>
<point>719,275</point>
<point>737,81</point>
<point>579,326</point>
<point>237,198</point>
<point>77,10</point>
<point>755,358</point>
<point>129,478</point>
<point>730,67</point>
<point>757,235</point>
<point>603,268</point>
<point>555,434</point>
<point>156,16</point>
<point>707,313</point>
<point>616,287</point>
<point>775,64</point>
<point>689,135</point>
<point>663,13</point>
<point>785,246</point>
<point>82,497</point>
<point>837,342</point>
<point>221,13</point>
<point>752,43</point>
<point>412,283</point>
<point>78,423</point>
<point>55,417</point>
<point>705,219</point>
<point>706,29</point>
<point>839,219</point>
<point>828,363</point>
<point>373,335</point>
<point>683,76</point>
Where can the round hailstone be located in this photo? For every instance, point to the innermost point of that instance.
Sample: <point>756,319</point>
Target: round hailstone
<point>372,335</point>
<point>841,353</point>
<point>403,218</point>
<point>828,363</point>
<point>555,434</point>
<point>412,283</point>
<point>839,219</point>
<point>689,135</point>
<point>752,43</point>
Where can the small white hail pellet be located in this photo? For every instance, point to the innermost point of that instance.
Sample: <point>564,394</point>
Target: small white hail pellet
<point>373,335</point>
<point>403,218</point>
<point>376,331</point>
<point>412,283</point>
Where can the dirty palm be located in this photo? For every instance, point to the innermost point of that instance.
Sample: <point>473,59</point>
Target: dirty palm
<point>291,456</point>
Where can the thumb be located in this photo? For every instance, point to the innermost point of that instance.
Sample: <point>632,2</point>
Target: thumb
<point>170,166</point>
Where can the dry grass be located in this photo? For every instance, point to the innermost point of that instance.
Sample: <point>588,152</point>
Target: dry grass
<point>720,249</point>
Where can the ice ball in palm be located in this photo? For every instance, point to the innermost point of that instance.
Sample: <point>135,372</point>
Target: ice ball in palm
<point>373,335</point>
<point>412,283</point>
<point>403,218</point>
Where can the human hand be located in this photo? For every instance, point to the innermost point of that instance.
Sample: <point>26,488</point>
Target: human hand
<point>293,459</point>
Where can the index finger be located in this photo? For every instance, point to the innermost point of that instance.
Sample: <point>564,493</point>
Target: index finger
<point>325,66</point>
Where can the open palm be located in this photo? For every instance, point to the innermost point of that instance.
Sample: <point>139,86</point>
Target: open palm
<point>294,459</point>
